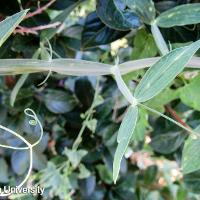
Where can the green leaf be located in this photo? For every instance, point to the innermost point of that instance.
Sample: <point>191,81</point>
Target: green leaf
<point>141,126</point>
<point>61,5</point>
<point>20,161</point>
<point>39,159</point>
<point>59,101</point>
<point>144,45</point>
<point>92,124</point>
<point>74,156</point>
<point>56,183</point>
<point>166,96</point>
<point>3,171</point>
<point>83,172</point>
<point>192,181</point>
<point>95,32</point>
<point>167,143</point>
<point>124,135</point>
<point>191,153</point>
<point>8,25</point>
<point>155,195</point>
<point>104,173</point>
<point>144,9</point>
<point>180,16</point>
<point>164,71</point>
<point>190,95</point>
<point>112,13</point>
<point>48,34</point>
<point>17,87</point>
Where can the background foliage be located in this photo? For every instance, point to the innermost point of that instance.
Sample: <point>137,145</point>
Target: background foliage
<point>97,31</point>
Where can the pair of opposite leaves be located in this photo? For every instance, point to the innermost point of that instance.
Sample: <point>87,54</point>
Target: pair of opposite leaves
<point>154,81</point>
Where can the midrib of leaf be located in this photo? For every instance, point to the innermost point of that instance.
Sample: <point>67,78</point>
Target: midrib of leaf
<point>12,28</point>
<point>158,74</point>
<point>118,9</point>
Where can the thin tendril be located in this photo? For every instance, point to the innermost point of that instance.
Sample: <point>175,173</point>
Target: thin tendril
<point>50,60</point>
<point>34,121</point>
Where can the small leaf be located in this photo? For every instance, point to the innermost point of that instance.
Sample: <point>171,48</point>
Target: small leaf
<point>191,153</point>
<point>180,16</point>
<point>3,171</point>
<point>166,96</point>
<point>59,101</point>
<point>39,159</point>
<point>190,95</point>
<point>20,161</point>
<point>48,34</point>
<point>104,173</point>
<point>8,25</point>
<point>57,183</point>
<point>75,157</point>
<point>142,125</point>
<point>164,71</point>
<point>95,32</point>
<point>144,9</point>
<point>91,124</point>
<point>144,45</point>
<point>98,101</point>
<point>124,135</point>
<point>112,13</point>
<point>83,172</point>
<point>84,91</point>
<point>192,181</point>
<point>61,5</point>
<point>167,143</point>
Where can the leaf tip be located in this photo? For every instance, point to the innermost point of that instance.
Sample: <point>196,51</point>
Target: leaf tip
<point>115,176</point>
<point>115,173</point>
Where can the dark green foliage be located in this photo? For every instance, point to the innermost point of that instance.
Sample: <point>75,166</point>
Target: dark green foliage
<point>66,104</point>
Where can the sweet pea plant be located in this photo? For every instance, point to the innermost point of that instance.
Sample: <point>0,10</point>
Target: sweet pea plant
<point>162,71</point>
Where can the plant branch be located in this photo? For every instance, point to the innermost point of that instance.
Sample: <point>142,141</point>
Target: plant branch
<point>122,86</point>
<point>34,30</point>
<point>39,10</point>
<point>75,67</point>
<point>159,40</point>
<point>175,116</point>
<point>188,129</point>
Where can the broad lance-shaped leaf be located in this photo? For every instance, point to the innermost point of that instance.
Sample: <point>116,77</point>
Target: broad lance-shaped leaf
<point>8,25</point>
<point>191,153</point>
<point>124,135</point>
<point>114,15</point>
<point>144,9</point>
<point>164,71</point>
<point>180,16</point>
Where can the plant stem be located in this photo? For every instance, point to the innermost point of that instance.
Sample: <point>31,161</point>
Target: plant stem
<point>175,115</point>
<point>168,118</point>
<point>34,30</point>
<point>159,40</point>
<point>84,124</point>
<point>75,67</point>
<point>122,86</point>
<point>39,10</point>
